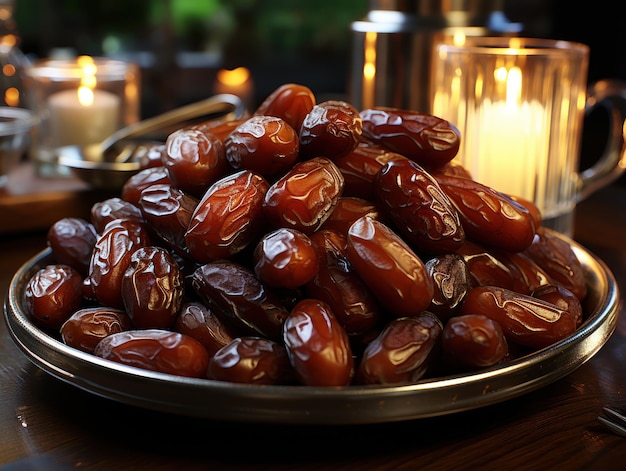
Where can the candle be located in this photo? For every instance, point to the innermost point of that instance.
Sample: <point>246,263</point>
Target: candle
<point>512,145</point>
<point>236,82</point>
<point>510,139</point>
<point>73,121</point>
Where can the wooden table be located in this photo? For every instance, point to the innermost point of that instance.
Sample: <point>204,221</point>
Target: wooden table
<point>47,424</point>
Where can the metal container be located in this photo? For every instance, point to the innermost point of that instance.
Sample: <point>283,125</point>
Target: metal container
<point>392,46</point>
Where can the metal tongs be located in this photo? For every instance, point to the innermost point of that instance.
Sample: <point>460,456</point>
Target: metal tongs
<point>125,145</point>
<point>614,421</point>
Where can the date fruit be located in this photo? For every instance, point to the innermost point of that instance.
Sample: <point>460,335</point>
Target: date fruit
<point>52,295</point>
<point>488,216</point>
<point>201,323</point>
<point>156,350</point>
<point>389,267</point>
<point>304,197</point>
<point>525,320</point>
<point>194,160</point>
<point>421,211</point>
<point>252,360</point>
<point>86,327</point>
<point>240,299</point>
<point>291,102</point>
<point>471,342</point>
<point>263,144</point>
<point>331,129</point>
<point>152,288</point>
<point>72,240</point>
<point>228,217</point>
<point>285,258</point>
<point>403,352</point>
<point>428,140</point>
<point>317,346</point>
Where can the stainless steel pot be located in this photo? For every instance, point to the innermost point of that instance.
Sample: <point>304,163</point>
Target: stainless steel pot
<point>392,46</point>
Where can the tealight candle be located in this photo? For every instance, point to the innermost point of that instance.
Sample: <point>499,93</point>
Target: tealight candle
<point>236,82</point>
<point>80,101</point>
<point>82,122</point>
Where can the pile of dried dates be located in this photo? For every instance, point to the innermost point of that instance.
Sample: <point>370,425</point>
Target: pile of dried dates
<point>309,244</point>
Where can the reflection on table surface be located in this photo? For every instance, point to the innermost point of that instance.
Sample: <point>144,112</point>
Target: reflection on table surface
<point>47,424</point>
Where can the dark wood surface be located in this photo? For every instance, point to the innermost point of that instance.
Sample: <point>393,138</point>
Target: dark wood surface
<point>47,424</point>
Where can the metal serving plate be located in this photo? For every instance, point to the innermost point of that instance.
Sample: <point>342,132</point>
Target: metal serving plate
<point>318,405</point>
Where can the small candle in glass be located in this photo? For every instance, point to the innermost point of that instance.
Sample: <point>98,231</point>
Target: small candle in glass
<point>80,102</point>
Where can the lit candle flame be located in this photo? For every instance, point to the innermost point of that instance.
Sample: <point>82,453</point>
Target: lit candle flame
<point>233,77</point>
<point>87,81</point>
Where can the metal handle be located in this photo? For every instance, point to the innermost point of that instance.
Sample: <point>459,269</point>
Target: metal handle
<point>224,105</point>
<point>612,164</point>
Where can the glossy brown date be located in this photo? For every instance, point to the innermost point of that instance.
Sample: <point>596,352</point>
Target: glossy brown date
<point>403,352</point>
<point>488,216</point>
<point>561,297</point>
<point>87,326</point>
<point>201,323</point>
<point>72,240</point>
<point>194,160</point>
<point>305,196</point>
<point>486,269</point>
<point>218,128</point>
<point>291,102</point>
<point>389,267</point>
<point>331,129</point>
<point>152,288</point>
<point>156,350</point>
<point>527,275</point>
<point>105,211</point>
<point>52,295</point>
<point>285,258</point>
<point>428,140</point>
<point>131,191</point>
<point>451,281</point>
<point>559,261</point>
<point>168,211</point>
<point>150,155</point>
<point>252,360</point>
<point>421,211</point>
<point>266,145</point>
<point>360,166</point>
<point>337,284</point>
<point>525,320</point>
<point>228,218</point>
<point>348,210</point>
<point>110,259</point>
<point>471,342</point>
<point>240,299</point>
<point>317,345</point>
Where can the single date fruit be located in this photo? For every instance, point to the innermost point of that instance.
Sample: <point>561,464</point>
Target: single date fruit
<point>305,196</point>
<point>156,350</point>
<point>252,360</point>
<point>525,320</point>
<point>52,295</point>
<point>471,342</point>
<point>389,267</point>
<point>228,217</point>
<point>86,327</point>
<point>317,346</point>
<point>403,352</point>
<point>428,140</point>
<point>152,288</point>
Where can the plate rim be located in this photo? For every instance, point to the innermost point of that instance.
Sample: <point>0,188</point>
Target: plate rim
<point>297,404</point>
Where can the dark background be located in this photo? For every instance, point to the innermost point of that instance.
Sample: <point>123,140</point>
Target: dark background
<point>279,41</point>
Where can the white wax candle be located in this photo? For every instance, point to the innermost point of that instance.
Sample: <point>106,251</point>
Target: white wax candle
<point>507,147</point>
<point>72,123</point>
